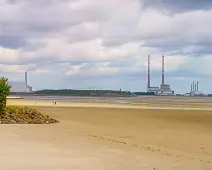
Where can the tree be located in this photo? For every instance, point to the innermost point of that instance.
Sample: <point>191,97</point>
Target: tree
<point>4,92</point>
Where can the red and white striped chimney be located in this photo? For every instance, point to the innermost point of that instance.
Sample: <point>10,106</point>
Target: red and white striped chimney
<point>148,71</point>
<point>163,70</point>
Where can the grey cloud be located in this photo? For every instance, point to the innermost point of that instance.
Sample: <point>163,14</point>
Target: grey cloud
<point>119,40</point>
<point>34,46</point>
<point>178,5</point>
<point>11,42</point>
<point>179,46</point>
<point>24,20</point>
<point>182,34</point>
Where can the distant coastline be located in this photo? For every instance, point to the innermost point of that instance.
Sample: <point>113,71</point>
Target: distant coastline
<point>82,93</point>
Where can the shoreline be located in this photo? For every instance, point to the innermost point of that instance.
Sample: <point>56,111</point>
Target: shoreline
<point>39,103</point>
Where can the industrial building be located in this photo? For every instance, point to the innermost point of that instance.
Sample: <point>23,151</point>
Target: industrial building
<point>195,89</point>
<point>164,89</point>
<point>20,87</point>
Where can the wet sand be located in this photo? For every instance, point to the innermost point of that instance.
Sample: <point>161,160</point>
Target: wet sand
<point>130,104</point>
<point>100,137</point>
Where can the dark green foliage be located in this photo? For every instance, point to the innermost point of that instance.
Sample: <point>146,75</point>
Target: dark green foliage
<point>144,93</point>
<point>83,92</point>
<point>4,92</point>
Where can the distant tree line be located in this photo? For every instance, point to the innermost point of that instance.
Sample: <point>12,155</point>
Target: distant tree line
<point>83,92</point>
<point>71,92</point>
<point>144,93</point>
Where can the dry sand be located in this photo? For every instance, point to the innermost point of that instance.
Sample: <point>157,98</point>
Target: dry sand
<point>97,137</point>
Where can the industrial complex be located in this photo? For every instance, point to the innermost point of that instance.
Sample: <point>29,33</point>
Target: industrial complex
<point>164,89</point>
<point>20,87</point>
<point>195,90</point>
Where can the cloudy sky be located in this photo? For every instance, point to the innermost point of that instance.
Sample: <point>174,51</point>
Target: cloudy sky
<point>83,43</point>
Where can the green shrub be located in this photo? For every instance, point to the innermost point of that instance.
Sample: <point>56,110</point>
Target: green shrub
<point>4,92</point>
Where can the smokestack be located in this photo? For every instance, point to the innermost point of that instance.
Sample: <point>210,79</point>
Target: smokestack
<point>191,88</point>
<point>148,71</point>
<point>197,86</point>
<point>26,79</point>
<point>162,70</point>
<point>193,85</point>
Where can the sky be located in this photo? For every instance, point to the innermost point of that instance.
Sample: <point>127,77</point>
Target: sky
<point>78,44</point>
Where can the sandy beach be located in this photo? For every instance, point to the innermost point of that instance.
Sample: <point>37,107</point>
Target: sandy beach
<point>109,136</point>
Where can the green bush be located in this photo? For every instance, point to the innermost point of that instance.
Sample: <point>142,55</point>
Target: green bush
<point>4,92</point>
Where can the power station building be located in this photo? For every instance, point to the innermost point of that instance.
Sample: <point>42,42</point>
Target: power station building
<point>195,90</point>
<point>164,89</point>
<point>20,87</point>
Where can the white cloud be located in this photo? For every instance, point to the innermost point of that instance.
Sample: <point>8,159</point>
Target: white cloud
<point>14,69</point>
<point>92,70</point>
<point>41,71</point>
